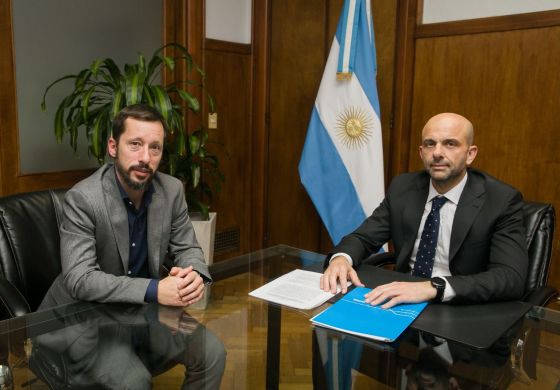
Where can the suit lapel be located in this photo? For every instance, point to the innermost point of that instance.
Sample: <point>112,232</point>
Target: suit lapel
<point>155,224</point>
<point>412,216</point>
<point>117,214</point>
<point>469,206</point>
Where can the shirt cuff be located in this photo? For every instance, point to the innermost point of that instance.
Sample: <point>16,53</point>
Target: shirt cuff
<point>347,257</point>
<point>448,292</point>
<point>205,279</point>
<point>151,291</point>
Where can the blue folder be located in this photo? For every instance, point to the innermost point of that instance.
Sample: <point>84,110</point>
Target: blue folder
<point>351,314</point>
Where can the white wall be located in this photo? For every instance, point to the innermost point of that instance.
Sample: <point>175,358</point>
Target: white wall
<point>58,37</point>
<point>447,10</point>
<point>229,20</point>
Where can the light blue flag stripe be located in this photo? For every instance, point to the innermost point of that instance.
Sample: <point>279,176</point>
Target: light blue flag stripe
<point>350,14</point>
<point>328,183</point>
<point>365,57</point>
<point>342,22</point>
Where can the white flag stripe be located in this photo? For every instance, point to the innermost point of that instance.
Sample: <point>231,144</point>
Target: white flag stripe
<point>332,99</point>
<point>348,37</point>
<point>369,19</point>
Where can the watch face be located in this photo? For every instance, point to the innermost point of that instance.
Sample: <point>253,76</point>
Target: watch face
<point>438,283</point>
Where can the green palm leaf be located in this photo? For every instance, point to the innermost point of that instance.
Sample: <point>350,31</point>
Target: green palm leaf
<point>134,82</point>
<point>117,103</point>
<point>97,135</point>
<point>43,101</point>
<point>162,101</point>
<point>191,100</point>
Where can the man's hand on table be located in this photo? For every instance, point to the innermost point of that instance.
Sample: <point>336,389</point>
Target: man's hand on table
<point>183,287</point>
<point>339,271</point>
<point>401,292</point>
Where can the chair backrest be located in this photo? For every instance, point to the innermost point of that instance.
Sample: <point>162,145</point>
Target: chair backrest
<point>30,242</point>
<point>539,220</point>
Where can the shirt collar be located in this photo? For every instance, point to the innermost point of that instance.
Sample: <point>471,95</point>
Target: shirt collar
<point>453,194</point>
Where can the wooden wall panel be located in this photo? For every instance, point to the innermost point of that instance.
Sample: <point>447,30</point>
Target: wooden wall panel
<point>229,82</point>
<point>297,57</point>
<point>504,82</point>
<point>384,24</point>
<point>8,113</point>
<point>402,85</point>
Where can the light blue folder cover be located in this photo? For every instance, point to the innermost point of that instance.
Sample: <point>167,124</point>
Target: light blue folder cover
<point>351,314</point>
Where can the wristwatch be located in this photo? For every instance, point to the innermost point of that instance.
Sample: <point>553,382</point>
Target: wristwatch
<point>439,285</point>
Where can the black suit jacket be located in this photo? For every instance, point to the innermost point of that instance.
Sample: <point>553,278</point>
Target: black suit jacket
<point>488,254</point>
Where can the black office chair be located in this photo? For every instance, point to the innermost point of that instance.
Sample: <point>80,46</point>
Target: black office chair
<point>29,249</point>
<point>539,221</point>
<point>29,263</point>
<point>29,254</point>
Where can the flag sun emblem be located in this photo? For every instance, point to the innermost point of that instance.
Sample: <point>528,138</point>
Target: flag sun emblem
<point>354,127</point>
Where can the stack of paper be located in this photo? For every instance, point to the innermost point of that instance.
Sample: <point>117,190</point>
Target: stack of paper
<point>299,289</point>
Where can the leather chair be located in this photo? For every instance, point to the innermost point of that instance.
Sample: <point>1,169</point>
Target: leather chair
<point>29,249</point>
<point>539,221</point>
<point>29,263</point>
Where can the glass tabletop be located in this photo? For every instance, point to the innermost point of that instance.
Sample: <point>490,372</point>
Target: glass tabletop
<point>234,341</point>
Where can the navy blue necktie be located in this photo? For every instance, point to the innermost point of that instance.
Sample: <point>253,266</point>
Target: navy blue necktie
<point>428,241</point>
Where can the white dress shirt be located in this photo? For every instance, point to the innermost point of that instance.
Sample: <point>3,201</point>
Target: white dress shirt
<point>447,215</point>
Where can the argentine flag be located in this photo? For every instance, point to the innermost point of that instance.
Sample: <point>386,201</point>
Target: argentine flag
<point>341,166</point>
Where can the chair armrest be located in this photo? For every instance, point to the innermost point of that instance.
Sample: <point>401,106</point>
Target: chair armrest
<point>380,259</point>
<point>12,302</point>
<point>540,296</point>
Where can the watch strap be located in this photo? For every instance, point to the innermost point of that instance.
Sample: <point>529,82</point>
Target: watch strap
<point>439,284</point>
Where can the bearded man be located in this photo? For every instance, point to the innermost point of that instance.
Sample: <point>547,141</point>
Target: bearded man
<point>121,223</point>
<point>118,227</point>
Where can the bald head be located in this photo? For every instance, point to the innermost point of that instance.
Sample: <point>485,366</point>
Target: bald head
<point>447,149</point>
<point>451,120</point>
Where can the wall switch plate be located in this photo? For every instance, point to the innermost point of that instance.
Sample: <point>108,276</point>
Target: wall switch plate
<point>212,120</point>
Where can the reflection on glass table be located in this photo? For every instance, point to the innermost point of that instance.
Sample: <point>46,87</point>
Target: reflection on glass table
<point>266,346</point>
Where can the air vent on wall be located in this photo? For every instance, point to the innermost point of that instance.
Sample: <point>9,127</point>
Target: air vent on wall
<point>227,240</point>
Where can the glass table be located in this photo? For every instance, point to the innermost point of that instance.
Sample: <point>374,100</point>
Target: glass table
<point>264,346</point>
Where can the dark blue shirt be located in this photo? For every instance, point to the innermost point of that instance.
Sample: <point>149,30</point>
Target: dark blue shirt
<point>138,266</point>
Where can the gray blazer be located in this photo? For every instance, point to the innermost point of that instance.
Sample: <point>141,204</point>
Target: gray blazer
<point>94,240</point>
<point>487,256</point>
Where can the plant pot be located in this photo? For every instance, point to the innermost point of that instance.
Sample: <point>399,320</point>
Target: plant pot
<point>205,234</point>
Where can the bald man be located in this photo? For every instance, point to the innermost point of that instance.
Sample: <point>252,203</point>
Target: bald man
<point>479,253</point>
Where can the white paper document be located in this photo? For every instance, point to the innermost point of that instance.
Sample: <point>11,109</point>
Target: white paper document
<point>299,289</point>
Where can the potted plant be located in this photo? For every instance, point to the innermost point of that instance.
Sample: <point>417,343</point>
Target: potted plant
<point>103,89</point>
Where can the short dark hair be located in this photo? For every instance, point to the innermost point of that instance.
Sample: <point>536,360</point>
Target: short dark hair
<point>141,112</point>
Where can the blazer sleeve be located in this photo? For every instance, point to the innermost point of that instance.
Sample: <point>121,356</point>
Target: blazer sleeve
<point>507,260</point>
<point>183,246</point>
<point>368,238</point>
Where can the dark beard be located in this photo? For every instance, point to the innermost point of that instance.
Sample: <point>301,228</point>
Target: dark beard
<point>125,175</point>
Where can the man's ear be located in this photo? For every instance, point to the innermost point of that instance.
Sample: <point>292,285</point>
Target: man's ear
<point>112,147</point>
<point>471,154</point>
